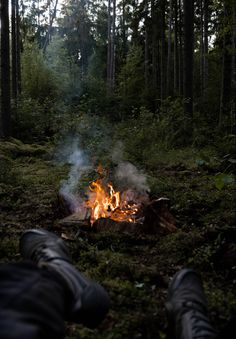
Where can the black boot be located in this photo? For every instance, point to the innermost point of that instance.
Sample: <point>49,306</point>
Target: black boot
<point>90,302</point>
<point>187,308</point>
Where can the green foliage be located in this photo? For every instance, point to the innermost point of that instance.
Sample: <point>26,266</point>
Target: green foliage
<point>222,179</point>
<point>13,148</point>
<point>6,173</point>
<point>35,120</point>
<point>94,98</point>
<point>131,78</point>
<point>38,81</point>
<point>65,72</point>
<point>145,133</point>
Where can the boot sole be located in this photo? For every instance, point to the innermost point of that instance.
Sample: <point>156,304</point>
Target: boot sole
<point>43,233</point>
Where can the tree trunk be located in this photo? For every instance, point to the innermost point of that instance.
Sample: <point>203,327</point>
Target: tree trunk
<point>233,111</point>
<point>188,57</point>
<point>124,35</point>
<point>201,48</point>
<point>205,47</point>
<point>5,70</point>
<point>226,64</point>
<point>234,46</point>
<point>113,57</point>
<point>181,57</point>
<point>169,54</point>
<point>18,48</point>
<point>155,42</point>
<point>163,50</point>
<point>52,18</point>
<point>13,49</point>
<point>146,61</point>
<point>176,49</point>
<point>109,46</point>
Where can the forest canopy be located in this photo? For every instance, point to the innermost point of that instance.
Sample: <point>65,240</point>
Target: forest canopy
<point>169,62</point>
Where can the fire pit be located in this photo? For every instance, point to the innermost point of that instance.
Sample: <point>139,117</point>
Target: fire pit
<point>129,211</point>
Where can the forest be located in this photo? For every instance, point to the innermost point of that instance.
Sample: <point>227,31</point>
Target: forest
<point>141,94</point>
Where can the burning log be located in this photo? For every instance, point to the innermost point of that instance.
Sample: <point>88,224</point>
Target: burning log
<point>130,211</point>
<point>80,219</point>
<point>109,225</point>
<point>157,216</point>
<point>155,219</point>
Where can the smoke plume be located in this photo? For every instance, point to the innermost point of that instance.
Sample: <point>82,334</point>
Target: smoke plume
<point>128,175</point>
<point>72,154</point>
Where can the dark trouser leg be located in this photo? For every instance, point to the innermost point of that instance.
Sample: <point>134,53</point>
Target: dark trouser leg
<point>32,302</point>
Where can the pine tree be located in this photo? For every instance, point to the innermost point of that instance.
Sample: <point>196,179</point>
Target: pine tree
<point>5,70</point>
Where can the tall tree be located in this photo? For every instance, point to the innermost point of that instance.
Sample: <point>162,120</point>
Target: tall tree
<point>205,45</point>
<point>13,49</point>
<point>155,52</point>
<point>204,31</point>
<point>109,22</point>
<point>169,53</point>
<point>18,48</point>
<point>226,85</point>
<point>181,52</point>
<point>111,45</point>
<point>163,48</point>
<point>146,44</point>
<point>5,70</point>
<point>188,56</point>
<point>176,49</point>
<point>201,38</point>
<point>51,20</point>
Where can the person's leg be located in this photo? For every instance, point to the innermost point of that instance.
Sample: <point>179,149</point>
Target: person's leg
<point>37,296</point>
<point>187,308</point>
<point>88,301</point>
<point>32,302</point>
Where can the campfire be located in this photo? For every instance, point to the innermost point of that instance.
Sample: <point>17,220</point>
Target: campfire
<point>108,209</point>
<point>105,202</point>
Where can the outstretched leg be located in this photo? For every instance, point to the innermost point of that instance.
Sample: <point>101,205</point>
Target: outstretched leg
<point>33,302</point>
<point>37,295</point>
<point>187,308</point>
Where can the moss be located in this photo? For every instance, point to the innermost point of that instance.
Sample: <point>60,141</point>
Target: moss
<point>16,148</point>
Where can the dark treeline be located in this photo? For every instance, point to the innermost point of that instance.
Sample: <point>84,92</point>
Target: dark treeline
<point>174,59</point>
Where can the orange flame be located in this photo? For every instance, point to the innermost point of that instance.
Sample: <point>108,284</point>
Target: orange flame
<point>107,203</point>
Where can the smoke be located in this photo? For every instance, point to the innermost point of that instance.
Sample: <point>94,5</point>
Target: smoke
<point>128,175</point>
<point>71,153</point>
<point>118,153</point>
<point>131,181</point>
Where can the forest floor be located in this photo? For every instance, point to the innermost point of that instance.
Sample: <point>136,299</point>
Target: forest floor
<point>135,270</point>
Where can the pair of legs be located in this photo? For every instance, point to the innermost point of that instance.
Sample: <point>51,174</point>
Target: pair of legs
<point>40,293</point>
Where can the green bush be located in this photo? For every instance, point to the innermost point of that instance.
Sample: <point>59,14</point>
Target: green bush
<point>35,120</point>
<point>38,80</point>
<point>145,133</point>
